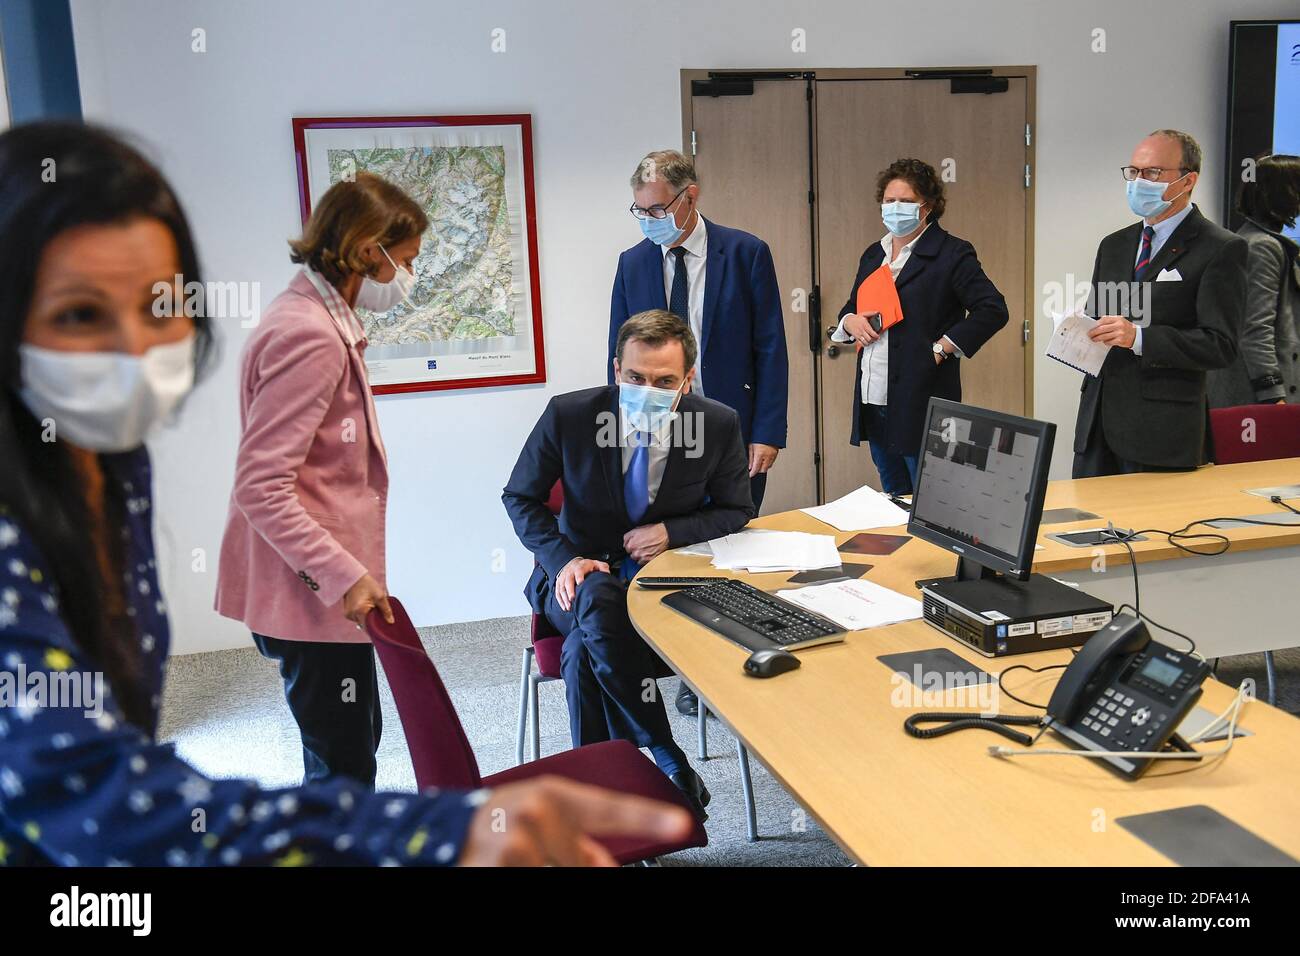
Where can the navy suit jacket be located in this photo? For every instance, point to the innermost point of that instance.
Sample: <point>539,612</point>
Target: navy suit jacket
<point>701,496</point>
<point>742,343</point>
<point>943,291</point>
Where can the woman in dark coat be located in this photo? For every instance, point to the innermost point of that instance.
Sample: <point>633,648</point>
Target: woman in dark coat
<point>950,309</point>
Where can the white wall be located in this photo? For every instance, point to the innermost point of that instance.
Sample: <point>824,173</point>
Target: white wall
<point>601,80</point>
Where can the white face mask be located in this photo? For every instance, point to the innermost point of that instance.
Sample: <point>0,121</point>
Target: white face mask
<point>106,401</point>
<point>382,296</point>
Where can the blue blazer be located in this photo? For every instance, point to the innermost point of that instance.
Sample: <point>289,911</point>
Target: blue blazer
<point>742,342</point>
<point>943,291</point>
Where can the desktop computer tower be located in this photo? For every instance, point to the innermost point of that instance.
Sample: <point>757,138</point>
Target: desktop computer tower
<point>999,617</point>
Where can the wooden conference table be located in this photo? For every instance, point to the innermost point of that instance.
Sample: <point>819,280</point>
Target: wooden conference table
<point>832,735</point>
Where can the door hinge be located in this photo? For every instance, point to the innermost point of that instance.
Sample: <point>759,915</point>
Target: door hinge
<point>817,458</point>
<point>1029,140</point>
<point>692,142</point>
<point>1026,331</point>
<point>1026,175</point>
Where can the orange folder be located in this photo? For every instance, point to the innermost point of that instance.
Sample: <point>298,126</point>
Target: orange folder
<point>878,294</point>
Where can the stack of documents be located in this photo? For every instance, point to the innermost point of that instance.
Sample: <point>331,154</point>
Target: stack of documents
<point>1071,346</point>
<point>854,605</point>
<point>759,550</point>
<point>859,510</point>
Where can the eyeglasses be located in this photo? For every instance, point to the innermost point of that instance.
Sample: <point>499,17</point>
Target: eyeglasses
<point>657,211</point>
<point>1151,174</point>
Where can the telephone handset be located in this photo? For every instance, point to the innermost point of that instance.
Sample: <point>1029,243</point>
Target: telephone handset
<point>1124,691</point>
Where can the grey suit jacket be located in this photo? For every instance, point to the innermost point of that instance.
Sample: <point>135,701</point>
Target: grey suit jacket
<point>1268,367</point>
<point>1153,407</point>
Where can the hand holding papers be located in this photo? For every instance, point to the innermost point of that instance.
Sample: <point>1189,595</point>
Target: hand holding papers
<point>859,510</point>
<point>1071,346</point>
<point>855,605</point>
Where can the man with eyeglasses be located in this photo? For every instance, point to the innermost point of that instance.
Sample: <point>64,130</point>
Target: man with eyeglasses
<point>721,282</point>
<point>1169,292</point>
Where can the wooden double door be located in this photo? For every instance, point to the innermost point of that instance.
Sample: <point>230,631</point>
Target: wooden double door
<point>793,157</point>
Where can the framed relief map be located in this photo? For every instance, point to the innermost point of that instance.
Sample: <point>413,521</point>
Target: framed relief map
<point>474,317</point>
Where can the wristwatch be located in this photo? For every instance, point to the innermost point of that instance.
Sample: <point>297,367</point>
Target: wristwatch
<point>938,350</point>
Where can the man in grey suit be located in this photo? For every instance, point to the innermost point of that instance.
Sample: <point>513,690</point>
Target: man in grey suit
<point>1169,292</point>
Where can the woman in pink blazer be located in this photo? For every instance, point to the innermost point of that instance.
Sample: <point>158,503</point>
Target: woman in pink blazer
<point>302,560</point>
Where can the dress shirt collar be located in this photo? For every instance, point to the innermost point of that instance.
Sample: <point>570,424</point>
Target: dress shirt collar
<point>1164,229</point>
<point>887,243</point>
<point>697,243</point>
<point>660,438</point>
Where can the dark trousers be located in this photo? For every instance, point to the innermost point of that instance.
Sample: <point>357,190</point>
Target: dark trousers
<point>1098,459</point>
<point>609,670</point>
<point>333,693</point>
<point>897,472</point>
<point>757,486</point>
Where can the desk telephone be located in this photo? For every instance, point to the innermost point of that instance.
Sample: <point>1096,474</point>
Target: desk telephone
<point>1124,691</point>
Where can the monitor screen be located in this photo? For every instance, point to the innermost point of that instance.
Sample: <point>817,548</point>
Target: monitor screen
<point>981,480</point>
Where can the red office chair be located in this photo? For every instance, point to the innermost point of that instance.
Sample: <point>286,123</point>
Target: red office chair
<point>1256,433</point>
<point>442,756</point>
<point>1273,432</point>
<point>544,648</point>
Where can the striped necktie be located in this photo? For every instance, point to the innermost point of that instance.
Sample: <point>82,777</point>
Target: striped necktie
<point>1144,253</point>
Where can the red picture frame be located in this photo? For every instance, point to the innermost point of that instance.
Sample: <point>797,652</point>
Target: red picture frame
<point>524,121</point>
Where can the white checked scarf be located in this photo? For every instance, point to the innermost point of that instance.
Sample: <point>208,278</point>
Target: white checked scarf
<point>349,326</point>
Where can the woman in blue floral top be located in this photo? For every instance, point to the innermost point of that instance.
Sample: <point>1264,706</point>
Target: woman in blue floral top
<point>92,233</point>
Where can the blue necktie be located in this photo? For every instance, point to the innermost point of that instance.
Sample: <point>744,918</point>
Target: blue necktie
<point>679,303</point>
<point>636,483</point>
<point>1144,253</point>
<point>636,492</point>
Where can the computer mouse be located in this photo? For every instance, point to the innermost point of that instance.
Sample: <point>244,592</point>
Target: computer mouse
<point>769,662</point>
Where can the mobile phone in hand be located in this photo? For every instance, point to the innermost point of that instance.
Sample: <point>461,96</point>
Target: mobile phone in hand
<point>874,320</point>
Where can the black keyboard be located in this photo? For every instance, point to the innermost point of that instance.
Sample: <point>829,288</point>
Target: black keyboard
<point>752,618</point>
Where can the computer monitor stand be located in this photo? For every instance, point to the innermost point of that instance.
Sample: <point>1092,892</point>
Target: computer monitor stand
<point>967,570</point>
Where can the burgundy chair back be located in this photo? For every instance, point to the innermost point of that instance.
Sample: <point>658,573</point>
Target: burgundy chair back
<point>542,628</point>
<point>555,501</point>
<point>1255,433</point>
<point>440,751</point>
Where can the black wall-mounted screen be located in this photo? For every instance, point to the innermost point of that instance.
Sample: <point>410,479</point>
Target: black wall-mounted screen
<point>1263,100</point>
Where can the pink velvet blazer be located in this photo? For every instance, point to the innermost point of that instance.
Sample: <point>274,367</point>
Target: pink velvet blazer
<point>306,517</point>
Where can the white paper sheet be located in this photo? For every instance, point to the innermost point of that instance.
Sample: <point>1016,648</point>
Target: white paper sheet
<point>760,550</point>
<point>703,549</point>
<point>855,604</point>
<point>1071,346</point>
<point>859,510</point>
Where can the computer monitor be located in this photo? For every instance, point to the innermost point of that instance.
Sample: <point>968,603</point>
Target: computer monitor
<point>980,483</point>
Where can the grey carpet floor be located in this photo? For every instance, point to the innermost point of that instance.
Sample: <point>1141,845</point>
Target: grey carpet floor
<point>225,712</point>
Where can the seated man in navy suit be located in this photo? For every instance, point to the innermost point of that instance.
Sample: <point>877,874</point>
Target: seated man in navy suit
<point>646,465</point>
<point>720,282</point>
